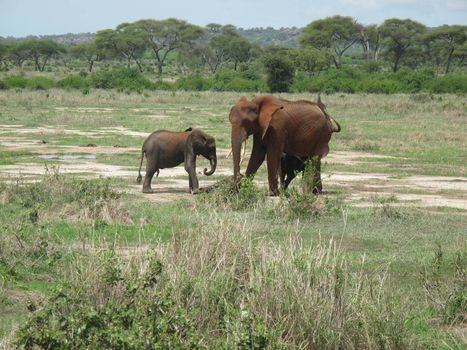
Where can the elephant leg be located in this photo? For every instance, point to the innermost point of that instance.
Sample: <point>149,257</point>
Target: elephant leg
<point>190,168</point>
<point>151,168</point>
<point>290,176</point>
<point>258,153</point>
<point>317,184</point>
<point>283,173</point>
<point>274,163</point>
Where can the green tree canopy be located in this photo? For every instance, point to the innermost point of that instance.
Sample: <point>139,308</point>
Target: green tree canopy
<point>336,33</point>
<point>370,39</point>
<point>125,42</point>
<point>87,51</point>
<point>311,60</point>
<point>41,51</point>
<point>445,40</point>
<point>165,36</point>
<point>401,37</point>
<point>279,67</point>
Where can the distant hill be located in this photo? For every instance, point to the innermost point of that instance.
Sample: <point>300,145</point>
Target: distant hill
<point>64,39</point>
<point>270,36</point>
<point>261,36</point>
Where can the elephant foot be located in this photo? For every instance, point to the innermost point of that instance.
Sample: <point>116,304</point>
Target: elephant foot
<point>148,190</point>
<point>317,190</point>
<point>195,191</point>
<point>273,193</point>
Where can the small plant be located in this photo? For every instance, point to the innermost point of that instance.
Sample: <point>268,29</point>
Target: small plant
<point>129,312</point>
<point>236,196</point>
<point>445,283</point>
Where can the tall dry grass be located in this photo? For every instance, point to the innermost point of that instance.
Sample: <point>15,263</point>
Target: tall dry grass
<point>241,288</point>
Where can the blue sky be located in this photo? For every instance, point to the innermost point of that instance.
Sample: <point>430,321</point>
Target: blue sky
<point>40,17</point>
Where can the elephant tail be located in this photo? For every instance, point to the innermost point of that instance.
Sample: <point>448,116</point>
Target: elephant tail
<point>338,126</point>
<point>139,178</point>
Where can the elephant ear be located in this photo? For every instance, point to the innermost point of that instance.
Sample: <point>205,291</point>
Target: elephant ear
<point>267,107</point>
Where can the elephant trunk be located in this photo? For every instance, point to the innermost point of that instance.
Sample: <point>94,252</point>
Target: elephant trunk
<point>237,137</point>
<point>213,161</point>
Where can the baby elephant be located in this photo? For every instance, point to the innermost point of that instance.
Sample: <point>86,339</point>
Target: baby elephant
<point>167,149</point>
<point>291,166</point>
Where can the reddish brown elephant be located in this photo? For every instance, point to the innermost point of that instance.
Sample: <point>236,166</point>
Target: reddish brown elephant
<point>297,128</point>
<point>167,149</point>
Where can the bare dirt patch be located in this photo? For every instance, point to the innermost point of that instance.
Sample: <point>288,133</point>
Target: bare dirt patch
<point>172,184</point>
<point>367,188</point>
<point>352,158</point>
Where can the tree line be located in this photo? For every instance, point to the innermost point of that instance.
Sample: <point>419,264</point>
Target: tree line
<point>333,42</point>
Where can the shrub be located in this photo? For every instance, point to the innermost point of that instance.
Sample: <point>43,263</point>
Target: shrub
<point>194,83</point>
<point>280,72</point>
<point>412,80</point>
<point>74,82</point>
<point>451,83</point>
<point>447,295</point>
<point>233,196</point>
<point>40,83</point>
<point>163,85</point>
<point>130,79</point>
<point>380,85</point>
<point>130,312</point>
<point>16,81</point>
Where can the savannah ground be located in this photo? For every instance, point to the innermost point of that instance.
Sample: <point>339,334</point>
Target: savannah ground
<point>378,261</point>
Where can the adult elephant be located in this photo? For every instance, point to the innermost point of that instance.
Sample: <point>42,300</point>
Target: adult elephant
<point>297,128</point>
<point>167,149</point>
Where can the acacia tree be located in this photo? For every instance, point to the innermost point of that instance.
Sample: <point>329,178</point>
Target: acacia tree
<point>336,33</point>
<point>4,49</point>
<point>87,51</point>
<point>370,39</point>
<point>216,47</point>
<point>124,42</point>
<point>42,50</point>
<point>165,36</point>
<point>311,60</point>
<point>239,50</point>
<point>279,67</point>
<point>400,36</point>
<point>445,40</point>
<point>19,52</point>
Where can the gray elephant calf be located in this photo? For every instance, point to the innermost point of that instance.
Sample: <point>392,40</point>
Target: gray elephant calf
<point>167,149</point>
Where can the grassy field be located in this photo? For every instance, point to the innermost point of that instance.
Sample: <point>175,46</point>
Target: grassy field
<point>378,261</point>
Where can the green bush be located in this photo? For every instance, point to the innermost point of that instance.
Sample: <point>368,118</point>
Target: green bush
<point>452,83</point>
<point>229,80</point>
<point>3,85</point>
<point>233,195</point>
<point>16,81</point>
<point>413,80</point>
<point>404,81</point>
<point>380,85</point>
<point>74,82</point>
<point>280,72</point>
<point>129,79</point>
<point>194,83</point>
<point>163,85</point>
<point>40,83</point>
<point>131,312</point>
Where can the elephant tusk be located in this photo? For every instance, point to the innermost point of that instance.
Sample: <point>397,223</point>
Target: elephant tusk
<point>244,152</point>
<point>243,155</point>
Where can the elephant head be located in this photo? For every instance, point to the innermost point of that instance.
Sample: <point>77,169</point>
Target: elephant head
<point>249,118</point>
<point>205,145</point>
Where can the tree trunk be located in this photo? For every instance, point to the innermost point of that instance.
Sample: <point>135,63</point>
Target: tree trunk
<point>396,64</point>
<point>448,64</point>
